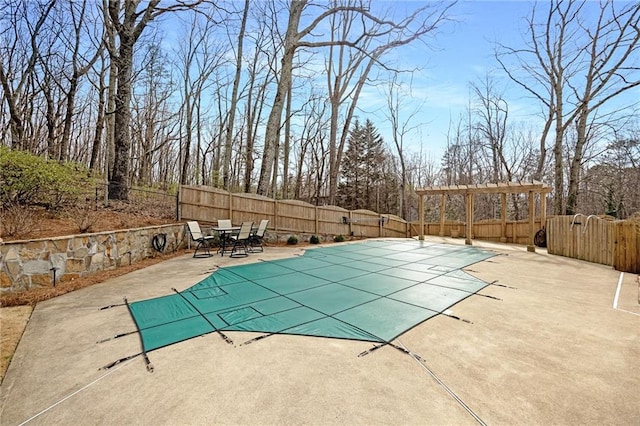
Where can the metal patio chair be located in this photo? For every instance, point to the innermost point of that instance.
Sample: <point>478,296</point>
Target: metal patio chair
<point>225,236</point>
<point>201,240</point>
<point>255,240</point>
<point>241,241</point>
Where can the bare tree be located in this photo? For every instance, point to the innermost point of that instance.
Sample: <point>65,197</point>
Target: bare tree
<point>313,135</point>
<point>197,59</point>
<point>19,55</point>
<point>81,62</point>
<point>129,18</point>
<point>575,68</point>
<point>492,112</point>
<point>153,122</point>
<point>350,63</point>
<point>291,40</point>
<point>401,125</point>
<point>101,91</point>
<point>395,34</point>
<point>234,98</point>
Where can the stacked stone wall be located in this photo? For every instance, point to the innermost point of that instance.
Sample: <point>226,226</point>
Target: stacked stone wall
<point>31,264</point>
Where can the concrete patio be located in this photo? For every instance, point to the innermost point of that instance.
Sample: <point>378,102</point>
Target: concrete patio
<point>546,347</point>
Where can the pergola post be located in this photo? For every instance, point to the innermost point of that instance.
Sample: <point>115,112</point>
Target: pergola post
<point>421,214</point>
<point>543,209</point>
<point>469,233</point>
<point>503,217</point>
<point>443,204</point>
<point>532,223</point>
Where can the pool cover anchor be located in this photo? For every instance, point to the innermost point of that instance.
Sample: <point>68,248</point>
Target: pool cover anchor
<point>117,336</point>
<point>449,313</point>
<point>255,339</point>
<point>502,285</point>
<point>119,361</point>
<point>127,358</point>
<point>408,352</point>
<point>487,296</point>
<point>374,348</point>
<point>112,306</point>
<point>403,350</point>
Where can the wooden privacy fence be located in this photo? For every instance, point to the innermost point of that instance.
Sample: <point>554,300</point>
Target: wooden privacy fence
<point>590,238</point>
<point>207,204</point>
<point>516,232</point>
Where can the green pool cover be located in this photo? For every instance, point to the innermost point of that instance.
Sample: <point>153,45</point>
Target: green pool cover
<point>371,291</point>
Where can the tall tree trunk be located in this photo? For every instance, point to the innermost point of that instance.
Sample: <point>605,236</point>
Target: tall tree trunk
<point>558,174</point>
<point>119,184</point>
<point>576,163</point>
<point>97,135</point>
<point>234,101</point>
<point>287,148</point>
<point>275,117</point>
<point>248,156</point>
<point>186,148</point>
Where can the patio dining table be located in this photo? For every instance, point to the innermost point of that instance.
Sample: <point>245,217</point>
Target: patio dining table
<point>225,234</point>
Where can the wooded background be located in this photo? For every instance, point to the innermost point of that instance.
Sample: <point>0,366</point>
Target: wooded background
<point>233,101</point>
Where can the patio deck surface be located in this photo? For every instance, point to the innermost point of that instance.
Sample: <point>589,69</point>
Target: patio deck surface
<point>545,347</point>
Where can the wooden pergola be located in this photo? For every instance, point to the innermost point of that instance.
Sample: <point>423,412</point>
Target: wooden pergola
<point>469,192</point>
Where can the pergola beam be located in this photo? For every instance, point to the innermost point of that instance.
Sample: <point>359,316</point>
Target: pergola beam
<point>486,188</point>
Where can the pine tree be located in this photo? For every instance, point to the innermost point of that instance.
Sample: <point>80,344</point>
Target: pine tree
<point>362,168</point>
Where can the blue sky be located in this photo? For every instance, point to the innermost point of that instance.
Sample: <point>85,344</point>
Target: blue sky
<point>462,52</point>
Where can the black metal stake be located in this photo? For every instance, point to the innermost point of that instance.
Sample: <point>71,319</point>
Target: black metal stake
<point>54,269</point>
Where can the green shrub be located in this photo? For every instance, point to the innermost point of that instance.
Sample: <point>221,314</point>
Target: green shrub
<point>314,240</point>
<point>338,239</point>
<point>292,240</point>
<point>28,180</point>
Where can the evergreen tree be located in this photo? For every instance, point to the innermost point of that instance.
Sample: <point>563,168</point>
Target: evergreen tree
<point>362,168</point>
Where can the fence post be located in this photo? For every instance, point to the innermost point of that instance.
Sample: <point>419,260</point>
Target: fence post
<point>503,217</point>
<point>275,213</point>
<point>469,226</point>
<point>315,211</point>
<point>421,214</point>
<point>532,225</point>
<point>443,208</point>
<point>178,203</point>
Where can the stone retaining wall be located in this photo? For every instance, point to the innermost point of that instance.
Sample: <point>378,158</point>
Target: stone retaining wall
<point>31,263</point>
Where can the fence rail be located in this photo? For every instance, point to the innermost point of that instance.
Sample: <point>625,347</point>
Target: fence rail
<point>590,238</point>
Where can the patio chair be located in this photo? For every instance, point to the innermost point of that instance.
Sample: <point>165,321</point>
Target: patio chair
<point>255,240</point>
<point>225,237</point>
<point>224,223</point>
<point>200,238</point>
<point>241,241</point>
